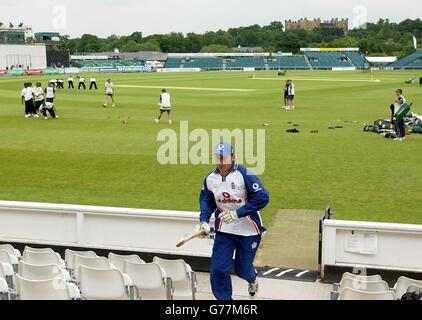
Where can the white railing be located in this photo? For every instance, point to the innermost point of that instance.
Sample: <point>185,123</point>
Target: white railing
<point>137,230</point>
<point>383,246</point>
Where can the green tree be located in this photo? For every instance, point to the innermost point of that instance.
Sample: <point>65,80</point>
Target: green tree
<point>173,42</point>
<point>223,38</point>
<point>193,42</point>
<point>89,43</point>
<point>136,36</point>
<point>69,44</point>
<point>150,45</point>
<point>347,42</point>
<point>208,38</point>
<point>131,46</point>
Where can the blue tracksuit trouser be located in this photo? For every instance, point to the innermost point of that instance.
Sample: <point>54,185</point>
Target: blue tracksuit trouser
<point>225,246</point>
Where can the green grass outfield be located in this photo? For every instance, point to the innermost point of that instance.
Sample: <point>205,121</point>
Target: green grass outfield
<point>89,156</point>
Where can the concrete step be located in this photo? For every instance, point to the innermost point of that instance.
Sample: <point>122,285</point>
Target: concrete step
<point>270,289</point>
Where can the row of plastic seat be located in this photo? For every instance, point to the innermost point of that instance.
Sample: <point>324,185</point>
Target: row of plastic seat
<point>359,287</point>
<point>246,62</point>
<point>405,61</point>
<point>105,63</point>
<point>328,60</point>
<point>288,62</point>
<point>318,59</point>
<point>216,63</point>
<point>173,62</point>
<point>41,274</point>
<point>209,63</point>
<point>417,64</point>
<point>357,59</point>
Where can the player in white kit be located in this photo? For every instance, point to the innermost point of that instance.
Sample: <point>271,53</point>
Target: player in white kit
<point>109,93</point>
<point>165,106</point>
<point>235,197</point>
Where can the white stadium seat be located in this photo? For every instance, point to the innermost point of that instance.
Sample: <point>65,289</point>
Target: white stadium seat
<point>337,287</point>
<point>90,262</point>
<point>150,280</point>
<point>118,261</point>
<point>364,286</point>
<point>4,290</point>
<point>69,256</point>
<point>32,272</point>
<point>100,284</point>
<point>403,283</point>
<point>9,248</point>
<point>7,273</point>
<point>357,276</point>
<point>5,257</point>
<point>414,288</point>
<point>38,249</point>
<point>351,294</point>
<point>182,276</point>
<point>54,289</point>
<point>43,258</point>
<point>349,275</point>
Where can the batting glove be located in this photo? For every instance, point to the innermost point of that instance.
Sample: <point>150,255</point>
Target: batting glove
<point>205,228</point>
<point>229,217</point>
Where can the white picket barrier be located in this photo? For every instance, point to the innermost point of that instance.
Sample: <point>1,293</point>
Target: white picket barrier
<point>369,245</point>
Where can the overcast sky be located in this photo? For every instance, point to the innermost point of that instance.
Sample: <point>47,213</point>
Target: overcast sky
<point>122,17</point>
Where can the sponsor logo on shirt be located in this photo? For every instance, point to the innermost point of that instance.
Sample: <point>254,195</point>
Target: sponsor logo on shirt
<point>227,198</point>
<point>256,187</point>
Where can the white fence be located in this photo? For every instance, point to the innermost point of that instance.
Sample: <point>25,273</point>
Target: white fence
<point>148,231</point>
<point>381,246</point>
<point>344,69</point>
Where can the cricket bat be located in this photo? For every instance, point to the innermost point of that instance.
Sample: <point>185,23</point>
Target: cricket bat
<point>189,237</point>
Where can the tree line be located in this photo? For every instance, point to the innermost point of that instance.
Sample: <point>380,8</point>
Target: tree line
<point>383,38</point>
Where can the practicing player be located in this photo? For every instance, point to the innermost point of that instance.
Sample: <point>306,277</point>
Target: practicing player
<point>81,83</point>
<point>109,93</point>
<point>54,82</point>
<point>28,100</point>
<point>70,83</point>
<point>50,92</point>
<point>290,95</point>
<point>93,84</point>
<point>48,107</point>
<point>286,94</point>
<point>235,196</point>
<point>401,109</point>
<point>60,84</point>
<point>165,106</point>
<point>39,98</point>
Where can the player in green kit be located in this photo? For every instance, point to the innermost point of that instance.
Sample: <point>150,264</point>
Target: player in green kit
<point>401,109</point>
